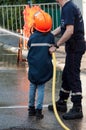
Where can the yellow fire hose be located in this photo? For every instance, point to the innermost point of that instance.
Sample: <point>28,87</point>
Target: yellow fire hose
<point>53,94</point>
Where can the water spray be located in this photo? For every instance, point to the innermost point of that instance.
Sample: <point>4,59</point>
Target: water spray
<point>13,33</point>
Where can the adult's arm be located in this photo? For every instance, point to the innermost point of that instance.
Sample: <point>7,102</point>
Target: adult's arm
<point>67,34</point>
<point>56,31</point>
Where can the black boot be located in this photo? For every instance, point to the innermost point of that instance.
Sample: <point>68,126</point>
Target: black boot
<point>32,111</point>
<point>74,113</point>
<point>39,114</point>
<point>61,105</point>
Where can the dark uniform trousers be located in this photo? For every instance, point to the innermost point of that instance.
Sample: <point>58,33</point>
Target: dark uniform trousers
<point>71,78</point>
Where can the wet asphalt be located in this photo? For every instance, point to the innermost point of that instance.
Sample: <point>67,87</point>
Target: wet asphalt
<point>14,87</point>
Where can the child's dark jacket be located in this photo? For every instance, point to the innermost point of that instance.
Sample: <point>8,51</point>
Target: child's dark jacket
<point>39,58</point>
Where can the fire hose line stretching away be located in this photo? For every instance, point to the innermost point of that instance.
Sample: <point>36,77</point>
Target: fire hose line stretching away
<point>53,94</point>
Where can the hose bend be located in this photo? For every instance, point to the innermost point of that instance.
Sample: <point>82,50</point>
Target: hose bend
<point>53,94</point>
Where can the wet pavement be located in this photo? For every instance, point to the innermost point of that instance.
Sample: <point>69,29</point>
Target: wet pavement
<point>14,87</point>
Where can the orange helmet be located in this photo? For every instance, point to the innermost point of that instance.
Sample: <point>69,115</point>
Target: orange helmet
<point>42,21</point>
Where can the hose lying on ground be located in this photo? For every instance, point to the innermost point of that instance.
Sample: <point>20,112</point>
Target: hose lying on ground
<point>53,94</point>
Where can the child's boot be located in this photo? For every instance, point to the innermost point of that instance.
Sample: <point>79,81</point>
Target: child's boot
<point>39,114</point>
<point>32,111</point>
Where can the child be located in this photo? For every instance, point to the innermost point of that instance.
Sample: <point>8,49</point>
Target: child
<point>40,61</point>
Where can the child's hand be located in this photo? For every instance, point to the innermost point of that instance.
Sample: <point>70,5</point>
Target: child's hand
<point>52,49</point>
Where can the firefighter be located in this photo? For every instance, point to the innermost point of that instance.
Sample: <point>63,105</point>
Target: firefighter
<point>39,61</point>
<point>72,30</point>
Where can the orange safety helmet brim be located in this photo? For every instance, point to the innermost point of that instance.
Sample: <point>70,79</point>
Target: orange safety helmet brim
<point>42,21</point>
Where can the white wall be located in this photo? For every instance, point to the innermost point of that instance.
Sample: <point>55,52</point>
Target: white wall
<point>79,4</point>
<point>84,15</point>
<point>82,5</point>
